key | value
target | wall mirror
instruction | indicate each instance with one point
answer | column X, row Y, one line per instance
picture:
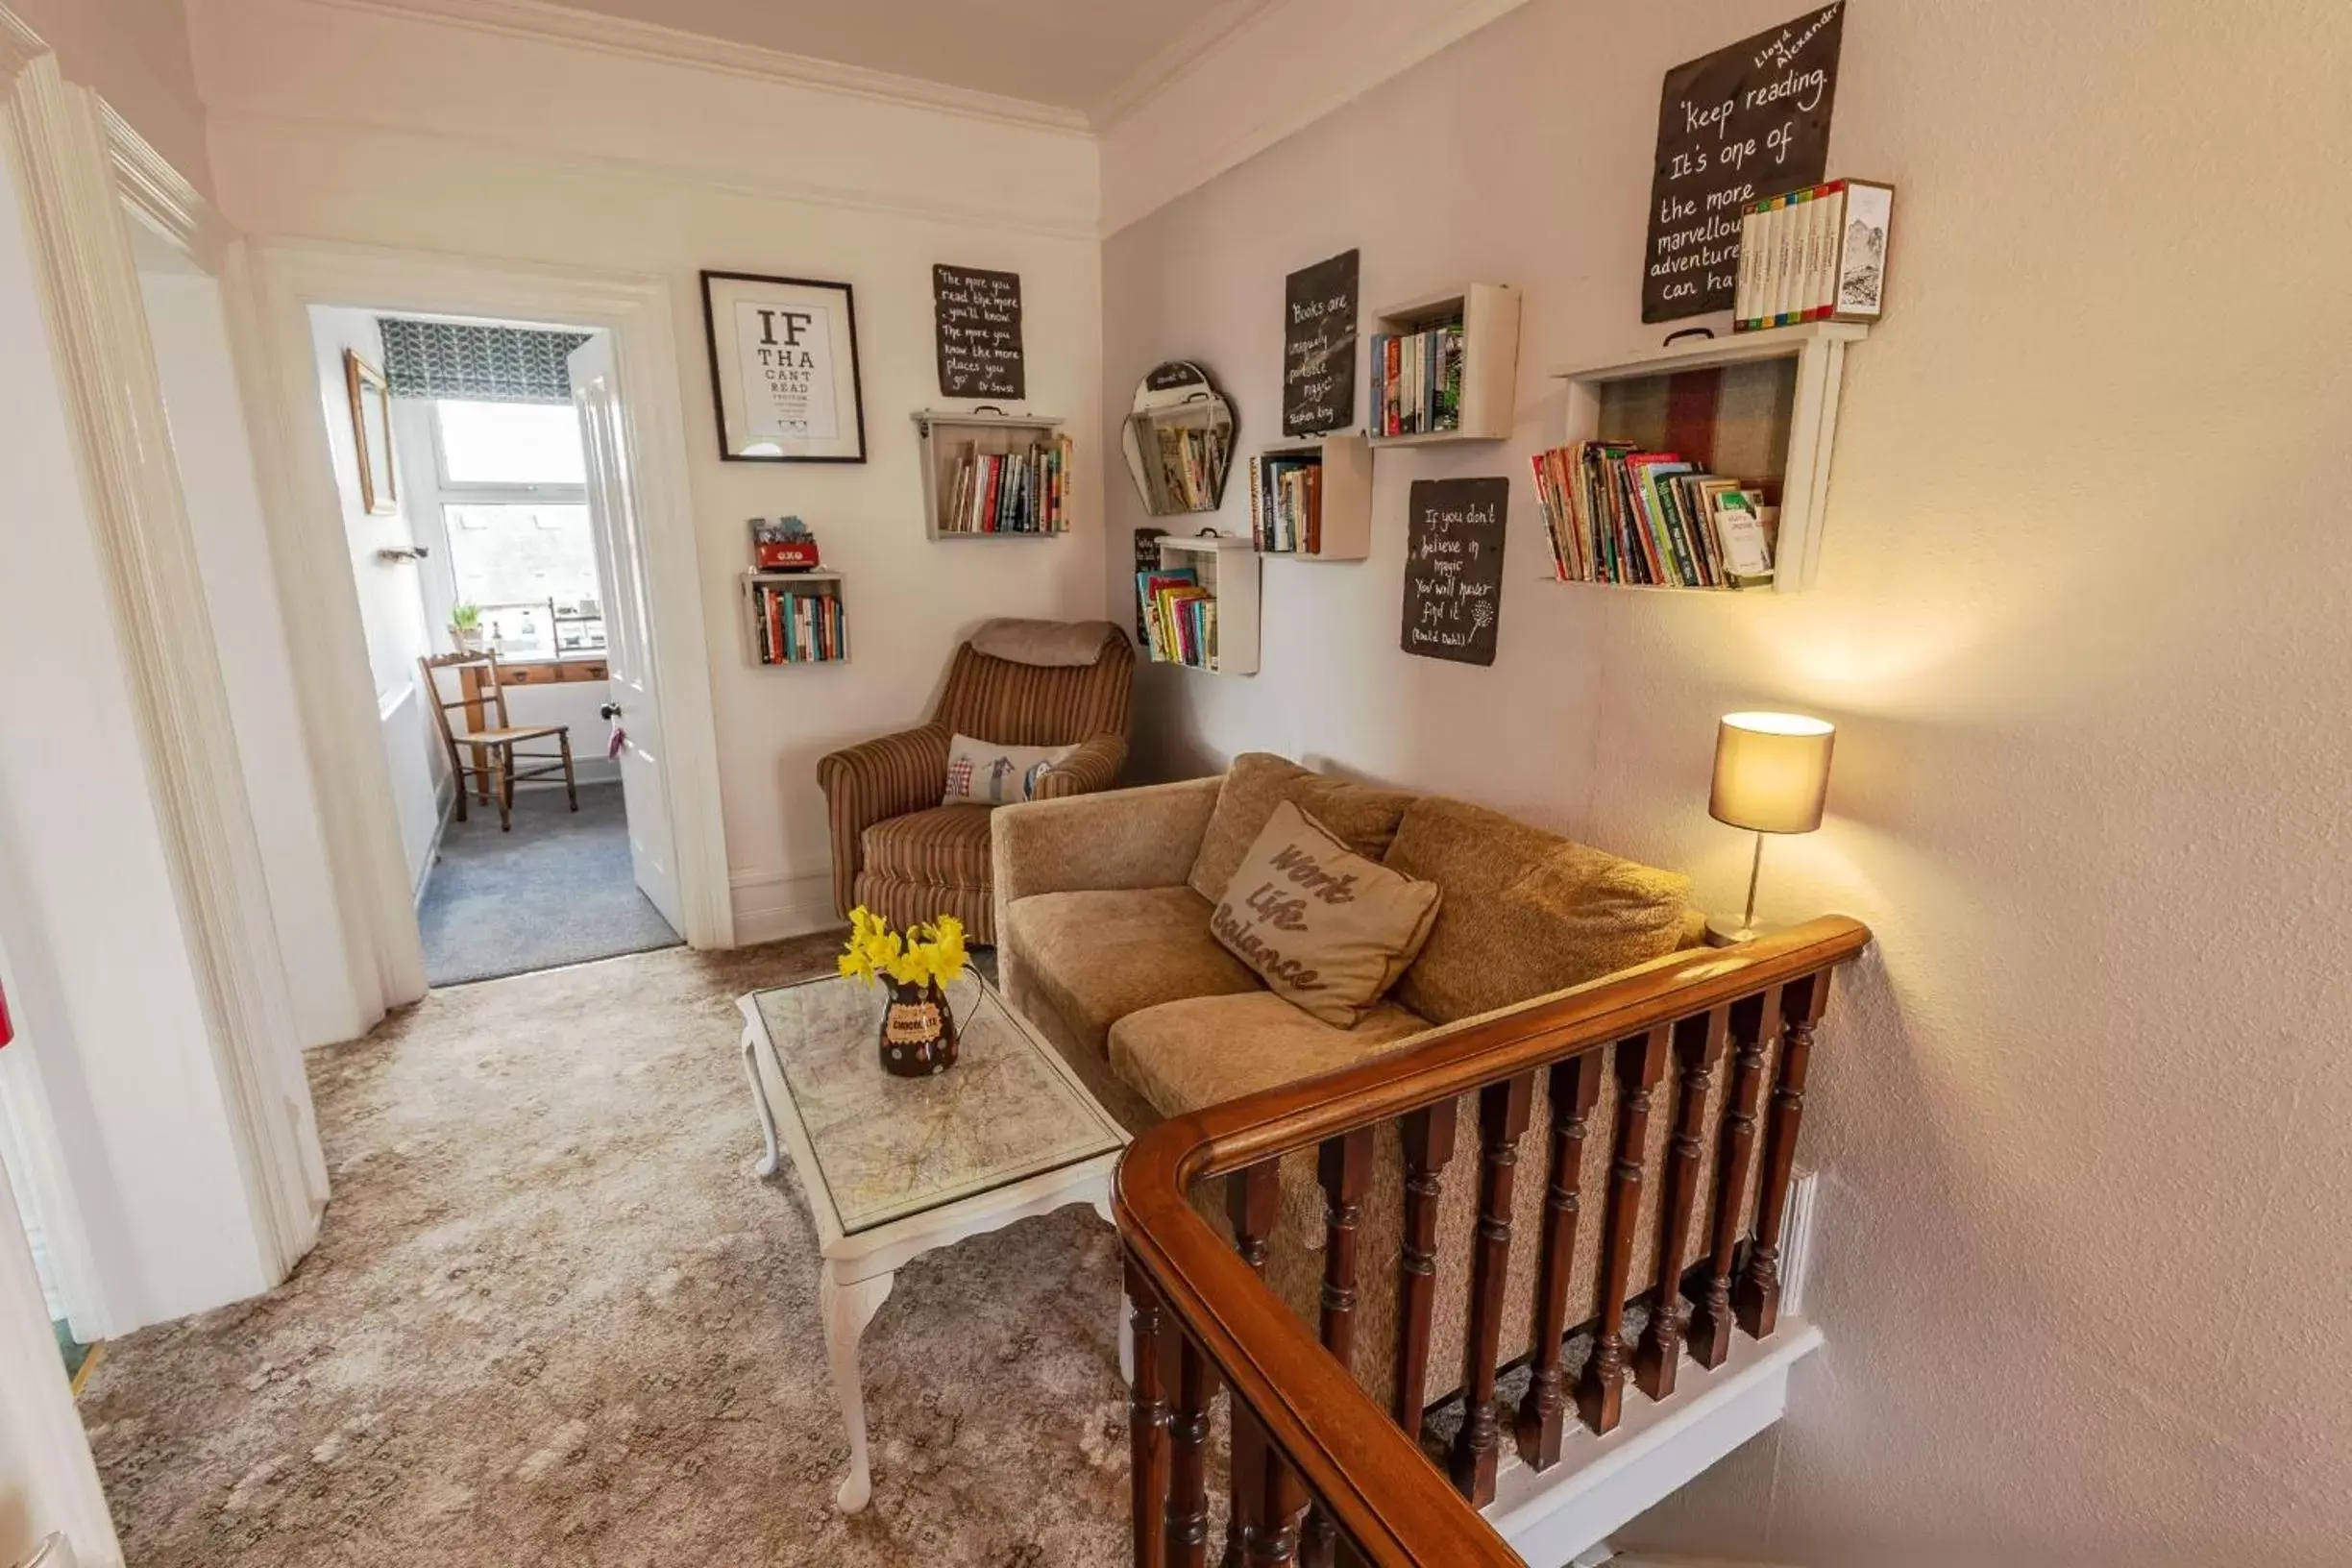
column 1179, row 440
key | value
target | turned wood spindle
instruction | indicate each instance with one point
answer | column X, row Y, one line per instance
column 1698, row 1045
column 1188, row 1510
column 1574, row 1085
column 1751, row 1032
column 1429, row 1146
column 1641, row 1062
column 1503, row 1116
column 1147, row 1423
column 1344, row 1164
column 1757, row 1299
column 1267, row 1498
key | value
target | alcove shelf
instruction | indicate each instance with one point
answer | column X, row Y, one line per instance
column 777, row 634
column 950, row 437
column 1227, row 565
column 1340, row 526
column 1489, row 314
column 1760, row 408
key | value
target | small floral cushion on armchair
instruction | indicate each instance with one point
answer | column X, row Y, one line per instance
column 982, row 772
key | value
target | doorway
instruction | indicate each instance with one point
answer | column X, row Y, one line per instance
column 494, row 556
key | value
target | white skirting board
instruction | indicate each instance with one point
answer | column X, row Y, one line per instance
column 770, row 906
column 1553, row 1518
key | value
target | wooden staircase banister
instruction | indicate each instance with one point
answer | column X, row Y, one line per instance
column 1391, row 1507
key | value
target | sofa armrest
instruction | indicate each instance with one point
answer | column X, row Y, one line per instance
column 1142, row 837
column 872, row 782
column 1091, row 767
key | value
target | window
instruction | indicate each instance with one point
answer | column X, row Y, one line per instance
column 514, row 509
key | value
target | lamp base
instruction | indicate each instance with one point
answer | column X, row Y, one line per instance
column 1727, row 931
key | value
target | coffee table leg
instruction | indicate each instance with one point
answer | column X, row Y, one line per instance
column 759, row 1101
column 847, row 1309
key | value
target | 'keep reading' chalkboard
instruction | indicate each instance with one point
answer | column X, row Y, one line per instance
column 1320, row 347
column 1453, row 568
column 979, row 333
column 1747, row 121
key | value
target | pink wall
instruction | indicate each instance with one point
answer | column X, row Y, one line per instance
column 2082, row 617
column 135, row 54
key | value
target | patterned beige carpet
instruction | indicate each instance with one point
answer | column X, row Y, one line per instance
column 554, row 1319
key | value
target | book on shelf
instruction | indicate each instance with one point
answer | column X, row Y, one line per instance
column 1416, row 381
column 1184, row 464
column 1010, row 492
column 1818, row 253
column 796, row 628
column 1287, row 502
column 1617, row 514
column 1179, row 616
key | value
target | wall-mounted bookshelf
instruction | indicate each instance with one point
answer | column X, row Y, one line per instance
column 1312, row 499
column 1759, row 408
column 990, row 475
column 1224, row 640
column 793, row 618
column 1409, row 358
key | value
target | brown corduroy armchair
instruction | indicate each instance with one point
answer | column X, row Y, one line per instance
column 901, row 853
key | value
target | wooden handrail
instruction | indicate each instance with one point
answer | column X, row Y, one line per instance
column 1394, row 1506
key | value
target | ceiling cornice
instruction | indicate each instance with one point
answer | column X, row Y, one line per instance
column 1214, row 27
column 538, row 20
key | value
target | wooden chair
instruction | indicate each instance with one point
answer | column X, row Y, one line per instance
column 494, row 748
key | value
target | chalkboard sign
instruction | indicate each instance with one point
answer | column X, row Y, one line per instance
column 979, row 333
column 1320, row 347
column 1746, row 121
column 1453, row 568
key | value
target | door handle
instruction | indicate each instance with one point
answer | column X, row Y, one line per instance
column 610, row 710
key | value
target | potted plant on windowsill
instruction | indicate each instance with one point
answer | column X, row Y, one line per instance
column 465, row 627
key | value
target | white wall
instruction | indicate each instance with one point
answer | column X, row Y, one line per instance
column 480, row 143
column 216, row 474
column 2082, row 617
column 391, row 605
column 93, row 951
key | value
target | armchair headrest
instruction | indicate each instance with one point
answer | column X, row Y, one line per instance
column 1049, row 642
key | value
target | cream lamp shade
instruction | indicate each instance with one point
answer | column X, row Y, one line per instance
column 1772, row 771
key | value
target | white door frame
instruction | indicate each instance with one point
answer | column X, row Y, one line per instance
column 285, row 279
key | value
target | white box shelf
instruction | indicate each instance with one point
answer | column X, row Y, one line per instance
column 1228, row 566
column 1489, row 317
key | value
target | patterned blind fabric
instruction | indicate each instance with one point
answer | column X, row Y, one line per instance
column 479, row 364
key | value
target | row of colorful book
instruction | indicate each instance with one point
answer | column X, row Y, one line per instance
column 1012, row 492
column 798, row 627
column 1416, row 381
column 1813, row 255
column 1189, row 473
column 1619, row 515
column 1179, row 616
column 1287, row 502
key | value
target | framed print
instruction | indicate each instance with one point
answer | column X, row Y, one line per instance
column 784, row 369
column 371, row 411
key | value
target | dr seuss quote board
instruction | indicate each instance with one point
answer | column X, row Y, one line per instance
column 1749, row 120
column 1454, row 569
column 980, row 352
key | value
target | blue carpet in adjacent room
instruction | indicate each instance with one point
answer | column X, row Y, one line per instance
column 557, row 889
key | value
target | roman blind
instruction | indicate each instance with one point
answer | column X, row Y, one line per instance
column 476, row 364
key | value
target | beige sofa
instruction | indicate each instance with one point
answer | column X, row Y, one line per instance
column 1102, row 910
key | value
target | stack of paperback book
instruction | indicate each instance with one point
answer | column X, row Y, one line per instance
column 797, row 627
column 1617, row 514
column 1190, row 473
column 1416, row 381
column 1010, row 492
column 1813, row 255
column 1179, row 616
column 1287, row 502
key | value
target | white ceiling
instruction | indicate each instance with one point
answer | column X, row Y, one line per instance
column 1091, row 56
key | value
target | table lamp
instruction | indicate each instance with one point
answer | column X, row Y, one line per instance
column 1771, row 776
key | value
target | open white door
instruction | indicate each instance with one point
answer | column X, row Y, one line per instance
column 627, row 637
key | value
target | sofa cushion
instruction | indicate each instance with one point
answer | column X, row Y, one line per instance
column 1361, row 816
column 946, row 846
column 1329, row 930
column 1525, row 911
column 1098, row 956
column 1202, row 1051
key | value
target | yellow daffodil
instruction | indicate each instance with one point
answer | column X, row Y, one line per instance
column 927, row 955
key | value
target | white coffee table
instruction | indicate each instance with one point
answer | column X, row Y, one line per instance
column 896, row 1166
